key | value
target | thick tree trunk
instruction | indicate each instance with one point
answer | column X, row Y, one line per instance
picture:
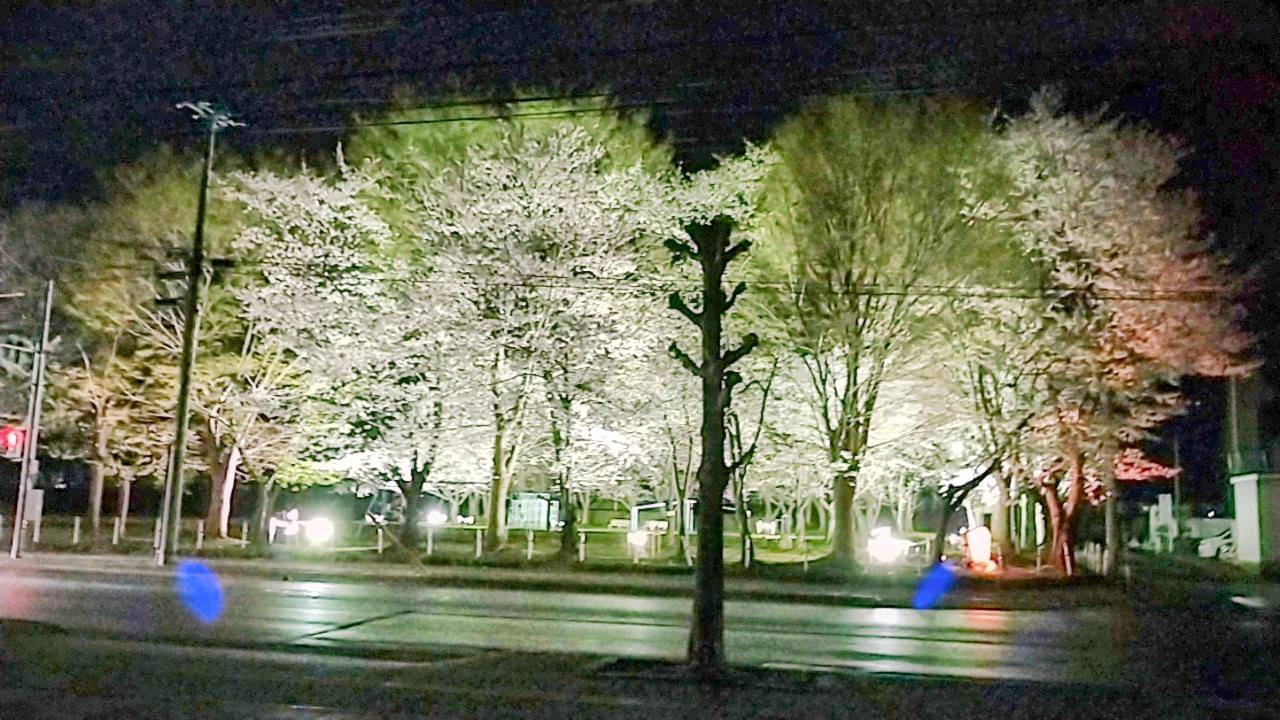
column 1063, row 516
column 409, row 531
column 495, row 535
column 97, row 485
column 706, row 652
column 844, row 535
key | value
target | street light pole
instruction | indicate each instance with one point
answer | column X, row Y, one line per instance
column 32, row 441
column 214, row 120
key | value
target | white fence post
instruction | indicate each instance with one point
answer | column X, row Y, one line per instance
column 380, row 541
column 244, row 533
column 528, row 553
column 582, row 547
column 199, row 534
column 431, row 531
column 75, row 530
column 35, row 533
column 115, row 531
column 479, row 543
column 155, row 538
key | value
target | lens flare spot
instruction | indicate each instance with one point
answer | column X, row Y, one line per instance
column 199, row 590
column 933, row 586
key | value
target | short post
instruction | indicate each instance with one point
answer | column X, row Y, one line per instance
column 199, row 535
column 155, row 538
column 582, row 546
column 380, row 541
column 75, row 530
column 431, row 531
column 479, row 543
column 244, row 533
column 528, row 550
column 35, row 532
column 115, row 531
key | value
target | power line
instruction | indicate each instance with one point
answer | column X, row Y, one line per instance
column 767, row 37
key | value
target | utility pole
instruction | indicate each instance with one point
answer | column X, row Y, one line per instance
column 32, row 440
column 214, row 121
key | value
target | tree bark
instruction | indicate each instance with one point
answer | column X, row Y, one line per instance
column 1111, row 554
column 561, row 429
column 1063, row 516
column 126, row 489
column 706, row 654
column 496, row 530
column 97, row 485
column 1000, row 518
column 844, row 531
column 222, row 483
column 505, row 445
column 266, row 499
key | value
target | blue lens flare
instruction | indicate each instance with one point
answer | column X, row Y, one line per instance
column 199, row 590
column 933, row 586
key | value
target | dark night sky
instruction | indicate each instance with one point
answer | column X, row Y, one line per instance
column 89, row 84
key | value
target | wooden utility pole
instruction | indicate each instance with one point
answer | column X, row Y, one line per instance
column 170, row 531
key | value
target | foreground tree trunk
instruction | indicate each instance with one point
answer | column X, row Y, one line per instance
column 706, row 656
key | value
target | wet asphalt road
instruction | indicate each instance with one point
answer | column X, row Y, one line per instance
column 1086, row 645
column 304, row 645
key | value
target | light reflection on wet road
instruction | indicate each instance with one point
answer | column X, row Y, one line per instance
column 1080, row 645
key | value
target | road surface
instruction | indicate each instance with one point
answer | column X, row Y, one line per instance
column 376, row 639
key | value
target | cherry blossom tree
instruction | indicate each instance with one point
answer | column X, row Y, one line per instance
column 367, row 338
column 1134, row 299
column 532, row 228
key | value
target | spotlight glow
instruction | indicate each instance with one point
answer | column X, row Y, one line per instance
column 319, row 531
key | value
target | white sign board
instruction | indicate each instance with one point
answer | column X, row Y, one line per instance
column 35, row 506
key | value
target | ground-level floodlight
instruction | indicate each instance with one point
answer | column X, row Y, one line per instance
column 319, row 530
column 884, row 548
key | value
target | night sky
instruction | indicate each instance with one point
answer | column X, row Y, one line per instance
column 90, row 84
